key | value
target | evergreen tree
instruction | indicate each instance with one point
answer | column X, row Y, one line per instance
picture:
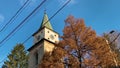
column 17, row 58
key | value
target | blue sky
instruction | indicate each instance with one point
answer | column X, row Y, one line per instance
column 101, row 15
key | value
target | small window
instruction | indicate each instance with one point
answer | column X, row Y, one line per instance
column 48, row 31
column 38, row 37
column 48, row 38
column 36, row 57
column 55, row 35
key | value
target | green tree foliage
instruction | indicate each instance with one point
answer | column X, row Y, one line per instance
column 79, row 47
column 17, row 58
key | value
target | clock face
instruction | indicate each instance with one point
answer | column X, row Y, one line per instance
column 52, row 36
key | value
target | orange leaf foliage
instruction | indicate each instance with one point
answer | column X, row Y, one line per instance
column 89, row 49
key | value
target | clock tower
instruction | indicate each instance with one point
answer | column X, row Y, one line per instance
column 45, row 39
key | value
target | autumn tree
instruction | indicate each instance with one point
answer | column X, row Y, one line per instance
column 79, row 47
column 53, row 59
column 17, row 58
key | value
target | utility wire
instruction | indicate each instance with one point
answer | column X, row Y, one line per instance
column 50, row 18
column 16, row 14
column 45, row 23
column 22, row 22
column 115, row 38
column 20, row 25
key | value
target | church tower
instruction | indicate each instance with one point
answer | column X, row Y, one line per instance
column 44, row 41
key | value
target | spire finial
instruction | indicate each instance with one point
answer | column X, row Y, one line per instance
column 45, row 11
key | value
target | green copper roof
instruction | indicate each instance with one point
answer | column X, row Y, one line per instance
column 46, row 22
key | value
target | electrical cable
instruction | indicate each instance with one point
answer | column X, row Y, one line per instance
column 50, row 18
column 22, row 22
column 44, row 23
column 15, row 15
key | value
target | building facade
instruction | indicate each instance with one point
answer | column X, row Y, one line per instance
column 44, row 41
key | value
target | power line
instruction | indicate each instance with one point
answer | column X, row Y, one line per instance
column 16, row 14
column 50, row 18
column 57, row 11
column 23, row 21
column 20, row 25
column 45, row 23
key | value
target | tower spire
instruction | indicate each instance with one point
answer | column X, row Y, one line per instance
column 45, row 21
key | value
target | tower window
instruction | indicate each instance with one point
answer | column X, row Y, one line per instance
column 36, row 58
column 38, row 37
column 48, row 31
